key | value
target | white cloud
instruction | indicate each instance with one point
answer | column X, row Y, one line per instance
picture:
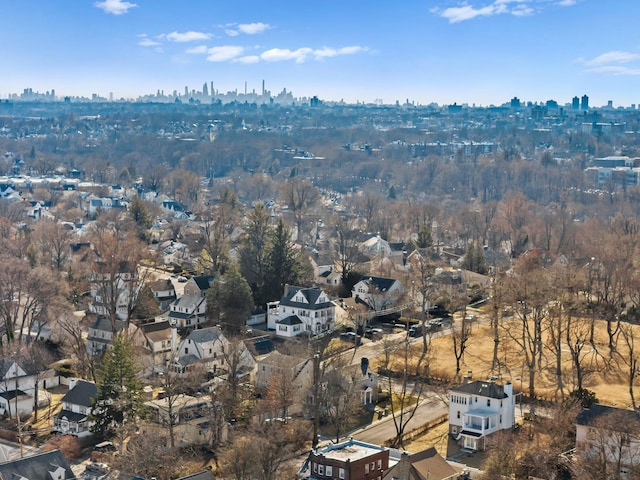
column 616, row 70
column 474, row 9
column 200, row 49
column 190, row 36
column 615, row 56
column 224, row 53
column 253, row 28
column 248, row 59
column 115, row 7
column 232, row 33
column 282, row 54
column 147, row 42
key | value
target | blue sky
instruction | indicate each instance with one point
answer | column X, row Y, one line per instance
column 474, row 51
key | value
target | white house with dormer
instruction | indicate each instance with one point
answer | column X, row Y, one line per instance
column 301, row 310
column 73, row 419
column 378, row 293
column 478, row 409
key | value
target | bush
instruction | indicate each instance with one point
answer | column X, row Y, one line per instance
column 67, row 444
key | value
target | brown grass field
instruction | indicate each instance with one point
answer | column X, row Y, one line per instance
column 606, row 378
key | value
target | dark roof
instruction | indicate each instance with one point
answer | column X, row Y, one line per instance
column 380, row 283
column 154, row 326
column 81, row 394
column 470, row 433
column 163, row 284
column 203, row 282
column 311, row 294
column 260, row 345
column 290, row 320
column 36, row 467
column 588, row 415
column 71, row 416
column 209, row 334
column 204, row 475
column 482, row 388
column 11, row 394
column 102, row 323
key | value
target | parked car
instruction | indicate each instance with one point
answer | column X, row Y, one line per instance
column 98, row 467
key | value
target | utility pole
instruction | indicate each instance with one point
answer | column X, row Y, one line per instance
column 316, row 399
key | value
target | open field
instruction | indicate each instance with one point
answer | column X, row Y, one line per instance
column 606, row 377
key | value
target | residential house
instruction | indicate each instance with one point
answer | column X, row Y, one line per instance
column 42, row 466
column 73, row 419
column 164, row 292
column 204, row 348
column 301, row 311
column 478, row 409
column 20, row 381
column 612, row 436
column 189, row 311
column 113, row 283
column 298, row 371
column 378, row 293
column 349, row 460
column 100, row 336
column 157, row 338
column 327, row 275
column 427, row 464
column 375, row 246
column 196, row 420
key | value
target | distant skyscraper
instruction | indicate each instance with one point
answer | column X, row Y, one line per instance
column 205, row 90
column 575, row 103
column 263, row 87
column 584, row 105
column 610, row 104
column 515, row 102
column 213, row 92
column 186, row 91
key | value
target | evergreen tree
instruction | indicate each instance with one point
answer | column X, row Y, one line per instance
column 230, row 302
column 474, row 259
column 281, row 262
column 253, row 251
column 119, row 398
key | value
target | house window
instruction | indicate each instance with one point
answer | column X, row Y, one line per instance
column 315, row 467
column 373, row 466
column 328, row 471
column 488, row 402
column 341, row 473
column 186, row 350
column 366, row 468
column 458, row 414
column 320, row 469
column 454, row 430
column 379, row 464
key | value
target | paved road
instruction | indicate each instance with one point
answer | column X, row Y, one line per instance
column 380, row 431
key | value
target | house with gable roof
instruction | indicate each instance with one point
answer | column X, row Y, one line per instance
column 73, row 419
column 42, row 466
column 207, row 348
column 301, row 310
column 378, row 293
column 479, row 409
column 189, row 311
column 20, row 378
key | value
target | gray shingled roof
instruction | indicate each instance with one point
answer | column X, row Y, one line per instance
column 209, row 334
column 311, row 294
column 588, row 415
column 290, row 320
column 482, row 388
column 380, row 283
column 81, row 394
column 36, row 467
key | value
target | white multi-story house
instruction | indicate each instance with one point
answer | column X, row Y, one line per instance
column 189, row 311
column 301, row 311
column 20, row 382
column 478, row 409
column 73, row 419
column 610, row 437
column 378, row 293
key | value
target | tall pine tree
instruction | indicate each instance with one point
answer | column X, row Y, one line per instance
column 119, row 398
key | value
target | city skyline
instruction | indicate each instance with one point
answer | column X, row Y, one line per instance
column 474, row 52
